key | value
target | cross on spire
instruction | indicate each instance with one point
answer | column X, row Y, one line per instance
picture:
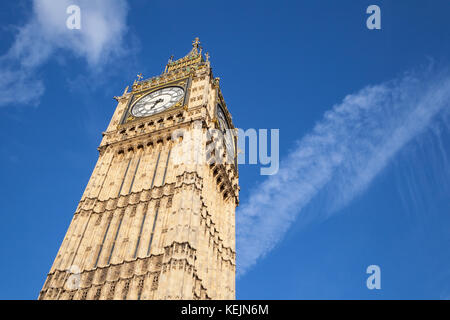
column 195, row 47
column 193, row 57
column 196, row 42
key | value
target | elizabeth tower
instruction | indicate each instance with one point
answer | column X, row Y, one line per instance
column 149, row 226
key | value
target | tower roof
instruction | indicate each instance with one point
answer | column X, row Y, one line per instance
column 192, row 58
column 175, row 68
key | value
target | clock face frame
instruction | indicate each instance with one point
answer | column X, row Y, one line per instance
column 157, row 101
column 225, row 128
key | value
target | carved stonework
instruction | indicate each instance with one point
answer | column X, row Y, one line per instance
column 147, row 226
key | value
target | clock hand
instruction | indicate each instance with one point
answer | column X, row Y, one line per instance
column 157, row 101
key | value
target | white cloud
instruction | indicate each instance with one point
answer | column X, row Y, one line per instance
column 19, row 88
column 101, row 39
column 344, row 152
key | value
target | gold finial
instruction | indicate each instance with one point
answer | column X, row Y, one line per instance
column 196, row 42
column 139, row 76
column 216, row 81
column 207, row 56
column 168, row 63
column 195, row 47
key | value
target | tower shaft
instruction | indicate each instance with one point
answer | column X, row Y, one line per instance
column 149, row 225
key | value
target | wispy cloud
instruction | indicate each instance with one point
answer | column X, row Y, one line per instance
column 353, row 142
column 45, row 35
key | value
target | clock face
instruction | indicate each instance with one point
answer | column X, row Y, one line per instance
column 157, row 101
column 225, row 128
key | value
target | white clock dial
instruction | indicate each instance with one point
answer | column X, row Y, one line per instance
column 157, row 101
column 225, row 128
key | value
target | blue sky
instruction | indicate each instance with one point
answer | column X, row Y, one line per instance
column 282, row 65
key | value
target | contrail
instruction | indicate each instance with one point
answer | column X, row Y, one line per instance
column 343, row 153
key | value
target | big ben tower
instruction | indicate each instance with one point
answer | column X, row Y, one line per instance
column 151, row 224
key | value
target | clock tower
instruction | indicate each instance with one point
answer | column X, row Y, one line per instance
column 153, row 224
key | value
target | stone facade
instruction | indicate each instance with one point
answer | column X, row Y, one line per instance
column 148, row 227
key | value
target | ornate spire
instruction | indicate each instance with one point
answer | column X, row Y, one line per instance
column 196, row 42
column 193, row 58
column 195, row 47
